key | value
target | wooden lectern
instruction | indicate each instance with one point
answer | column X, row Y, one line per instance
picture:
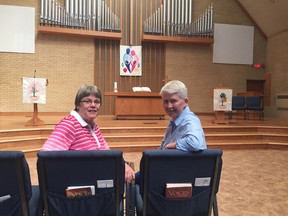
column 35, row 120
column 222, row 102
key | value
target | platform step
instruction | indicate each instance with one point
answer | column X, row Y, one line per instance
column 149, row 137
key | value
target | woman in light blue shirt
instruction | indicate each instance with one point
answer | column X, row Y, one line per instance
column 184, row 131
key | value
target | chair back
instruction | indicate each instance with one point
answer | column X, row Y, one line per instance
column 103, row 169
column 254, row 102
column 15, row 184
column 238, row 103
column 159, row 167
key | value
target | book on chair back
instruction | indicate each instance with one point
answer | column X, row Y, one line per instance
column 79, row 191
column 178, row 190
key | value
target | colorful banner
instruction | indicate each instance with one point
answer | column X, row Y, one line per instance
column 130, row 61
column 34, row 90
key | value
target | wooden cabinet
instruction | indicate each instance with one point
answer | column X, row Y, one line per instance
column 137, row 105
column 250, row 93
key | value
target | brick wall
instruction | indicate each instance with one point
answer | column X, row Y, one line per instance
column 193, row 63
column 69, row 61
column 277, row 55
column 66, row 61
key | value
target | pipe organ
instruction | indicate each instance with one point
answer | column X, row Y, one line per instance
column 96, row 15
column 174, row 18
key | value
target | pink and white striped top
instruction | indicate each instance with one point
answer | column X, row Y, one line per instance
column 73, row 133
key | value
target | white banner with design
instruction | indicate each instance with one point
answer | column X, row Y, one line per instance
column 34, row 90
column 222, row 99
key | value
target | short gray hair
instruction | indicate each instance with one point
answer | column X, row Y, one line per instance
column 175, row 87
column 85, row 91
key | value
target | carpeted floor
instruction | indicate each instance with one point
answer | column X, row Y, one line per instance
column 253, row 182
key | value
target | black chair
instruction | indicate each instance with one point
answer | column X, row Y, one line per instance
column 238, row 104
column 255, row 103
column 17, row 196
column 159, row 167
column 103, row 169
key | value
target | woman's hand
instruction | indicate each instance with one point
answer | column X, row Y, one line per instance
column 170, row 146
column 129, row 174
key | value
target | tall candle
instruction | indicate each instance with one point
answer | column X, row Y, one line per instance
column 115, row 87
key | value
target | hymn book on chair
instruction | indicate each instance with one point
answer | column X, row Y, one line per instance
column 178, row 190
column 80, row 191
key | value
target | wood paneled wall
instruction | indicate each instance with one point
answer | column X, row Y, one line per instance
column 107, row 54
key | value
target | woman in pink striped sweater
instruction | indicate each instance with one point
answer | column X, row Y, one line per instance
column 79, row 131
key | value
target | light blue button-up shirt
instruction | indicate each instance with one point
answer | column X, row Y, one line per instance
column 187, row 132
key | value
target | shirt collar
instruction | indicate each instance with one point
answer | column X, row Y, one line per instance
column 79, row 118
column 180, row 118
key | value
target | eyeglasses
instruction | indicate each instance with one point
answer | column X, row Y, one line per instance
column 89, row 102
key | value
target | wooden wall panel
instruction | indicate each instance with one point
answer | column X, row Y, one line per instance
column 107, row 54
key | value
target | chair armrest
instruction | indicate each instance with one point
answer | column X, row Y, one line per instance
column 130, row 194
column 130, row 199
